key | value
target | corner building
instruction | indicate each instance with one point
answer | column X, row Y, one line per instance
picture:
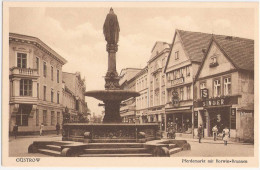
column 35, row 84
column 224, row 88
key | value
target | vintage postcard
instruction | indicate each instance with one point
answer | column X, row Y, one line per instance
column 134, row 84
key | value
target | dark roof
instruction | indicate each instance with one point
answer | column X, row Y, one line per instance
column 239, row 50
column 194, row 42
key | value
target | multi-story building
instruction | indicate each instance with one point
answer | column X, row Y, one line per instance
column 156, row 82
column 182, row 65
column 73, row 95
column 224, row 89
column 128, row 82
column 35, row 84
column 142, row 100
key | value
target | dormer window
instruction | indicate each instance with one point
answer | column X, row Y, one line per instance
column 176, row 55
column 213, row 62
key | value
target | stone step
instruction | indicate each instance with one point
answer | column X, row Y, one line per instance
column 49, row 152
column 117, row 155
column 114, row 145
column 115, row 150
column 112, row 140
column 53, row 147
column 171, row 146
column 174, row 150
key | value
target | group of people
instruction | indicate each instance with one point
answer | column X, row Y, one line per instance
column 15, row 129
column 215, row 131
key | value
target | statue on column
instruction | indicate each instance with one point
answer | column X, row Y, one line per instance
column 111, row 28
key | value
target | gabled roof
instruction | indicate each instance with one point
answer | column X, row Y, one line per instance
column 239, row 50
column 194, row 43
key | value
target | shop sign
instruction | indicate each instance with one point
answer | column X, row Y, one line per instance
column 178, row 81
column 204, row 93
column 213, row 102
column 233, row 118
column 195, row 119
column 247, row 114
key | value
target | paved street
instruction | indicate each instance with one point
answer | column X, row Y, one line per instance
column 208, row 148
column 19, row 147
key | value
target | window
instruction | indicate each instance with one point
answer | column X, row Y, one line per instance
column 52, row 73
column 217, row 91
column 21, row 60
column 51, row 95
column 44, row 117
column 44, row 69
column 22, row 115
column 227, row 86
column 163, row 97
column 37, row 117
column 176, row 55
column 37, row 90
column 25, row 87
column 188, row 92
column 44, row 93
column 58, row 117
column 37, row 64
column 58, row 97
column 52, row 117
column 58, row 76
column 213, row 62
column 188, row 71
column 202, row 85
column 181, row 94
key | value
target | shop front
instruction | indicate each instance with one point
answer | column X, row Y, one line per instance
column 181, row 118
column 223, row 112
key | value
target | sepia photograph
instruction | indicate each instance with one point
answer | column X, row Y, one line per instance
column 160, row 83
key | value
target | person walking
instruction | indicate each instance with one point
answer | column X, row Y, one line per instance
column 226, row 135
column 200, row 132
column 41, row 129
column 58, row 128
column 15, row 130
column 215, row 132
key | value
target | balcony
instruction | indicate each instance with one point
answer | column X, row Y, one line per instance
column 23, row 100
column 23, row 72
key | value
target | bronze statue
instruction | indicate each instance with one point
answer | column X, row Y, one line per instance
column 111, row 28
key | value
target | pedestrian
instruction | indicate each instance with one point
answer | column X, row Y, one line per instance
column 215, row 132
column 15, row 130
column 41, row 129
column 226, row 135
column 58, row 128
column 200, row 132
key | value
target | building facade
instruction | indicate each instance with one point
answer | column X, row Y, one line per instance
column 142, row 101
column 35, row 84
column 224, row 89
column 73, row 95
column 128, row 82
column 182, row 65
column 156, row 83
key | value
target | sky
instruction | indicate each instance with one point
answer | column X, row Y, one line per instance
column 77, row 34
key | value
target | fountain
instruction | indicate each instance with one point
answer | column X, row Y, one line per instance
column 112, row 128
column 112, row 95
column 112, row 137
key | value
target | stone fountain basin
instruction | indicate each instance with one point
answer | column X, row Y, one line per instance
column 112, row 95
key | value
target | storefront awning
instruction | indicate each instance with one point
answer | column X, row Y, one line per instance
column 178, row 110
